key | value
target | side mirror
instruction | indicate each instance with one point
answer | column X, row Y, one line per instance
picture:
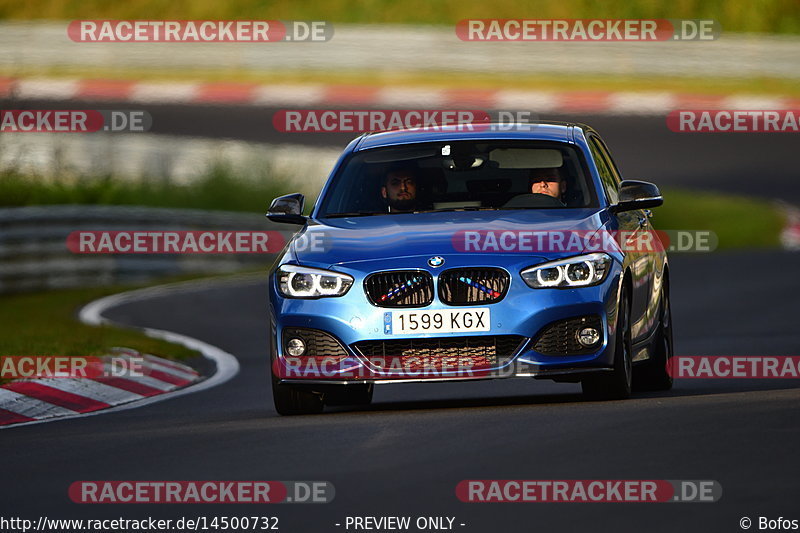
column 288, row 209
column 637, row 195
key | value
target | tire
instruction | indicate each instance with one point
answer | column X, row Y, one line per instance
column 350, row 395
column 617, row 384
column 654, row 375
column 293, row 401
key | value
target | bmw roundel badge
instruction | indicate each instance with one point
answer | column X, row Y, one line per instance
column 436, row 261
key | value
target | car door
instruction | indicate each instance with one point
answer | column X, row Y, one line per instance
column 632, row 223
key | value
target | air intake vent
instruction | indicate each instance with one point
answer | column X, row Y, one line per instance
column 561, row 337
column 475, row 353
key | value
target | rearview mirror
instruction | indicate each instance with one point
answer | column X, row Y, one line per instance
column 637, row 195
column 287, row 209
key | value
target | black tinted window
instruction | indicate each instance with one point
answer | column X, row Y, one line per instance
column 460, row 175
column 606, row 171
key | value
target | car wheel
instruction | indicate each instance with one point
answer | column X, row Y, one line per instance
column 654, row 374
column 617, row 384
column 293, row 401
column 360, row 394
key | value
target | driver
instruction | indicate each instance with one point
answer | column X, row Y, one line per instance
column 548, row 181
column 400, row 189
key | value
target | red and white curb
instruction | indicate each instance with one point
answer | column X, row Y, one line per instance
column 25, row 402
column 602, row 102
column 44, row 398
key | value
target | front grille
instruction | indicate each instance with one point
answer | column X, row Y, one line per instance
column 445, row 353
column 468, row 286
column 318, row 343
column 400, row 288
column 560, row 338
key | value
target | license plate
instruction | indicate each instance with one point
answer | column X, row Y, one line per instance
column 442, row 321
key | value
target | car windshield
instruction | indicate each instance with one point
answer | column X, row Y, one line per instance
column 461, row 175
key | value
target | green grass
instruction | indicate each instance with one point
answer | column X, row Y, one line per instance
column 46, row 323
column 771, row 16
column 739, row 222
column 218, row 190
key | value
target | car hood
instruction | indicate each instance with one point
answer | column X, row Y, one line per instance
column 337, row 241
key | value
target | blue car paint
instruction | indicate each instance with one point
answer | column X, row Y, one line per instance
column 359, row 246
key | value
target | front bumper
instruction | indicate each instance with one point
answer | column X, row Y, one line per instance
column 524, row 312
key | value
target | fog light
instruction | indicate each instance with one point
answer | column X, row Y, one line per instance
column 295, row 347
column 588, row 337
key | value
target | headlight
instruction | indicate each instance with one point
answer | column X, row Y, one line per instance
column 303, row 282
column 580, row 271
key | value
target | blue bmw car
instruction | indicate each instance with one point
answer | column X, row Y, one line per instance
column 469, row 253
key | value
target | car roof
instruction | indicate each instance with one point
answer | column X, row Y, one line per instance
column 542, row 131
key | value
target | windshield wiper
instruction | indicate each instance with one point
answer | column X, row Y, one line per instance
column 467, row 208
column 373, row 213
column 353, row 214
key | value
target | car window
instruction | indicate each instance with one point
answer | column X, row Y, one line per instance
column 460, row 175
column 610, row 160
column 607, row 172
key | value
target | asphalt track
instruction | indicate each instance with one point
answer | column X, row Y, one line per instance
column 405, row 454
